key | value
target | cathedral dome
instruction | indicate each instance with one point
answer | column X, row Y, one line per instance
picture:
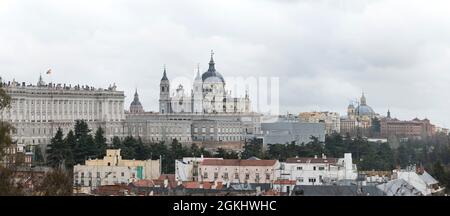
column 365, row 110
column 211, row 74
column 136, row 106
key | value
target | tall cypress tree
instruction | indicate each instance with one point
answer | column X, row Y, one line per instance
column 70, row 142
column 100, row 142
column 58, row 152
column 85, row 145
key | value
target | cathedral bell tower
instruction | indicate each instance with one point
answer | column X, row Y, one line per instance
column 197, row 93
column 164, row 94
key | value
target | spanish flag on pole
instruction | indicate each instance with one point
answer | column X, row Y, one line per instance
column 49, row 71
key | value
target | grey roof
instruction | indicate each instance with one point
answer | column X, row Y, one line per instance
column 399, row 187
column 428, row 179
column 364, row 110
column 136, row 100
column 164, row 75
column 337, row 190
column 211, row 74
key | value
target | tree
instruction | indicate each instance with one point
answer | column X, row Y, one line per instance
column 85, row 145
column 116, row 142
column 5, row 128
column 222, row 153
column 7, row 185
column 100, row 142
column 59, row 152
column 71, row 143
column 254, row 148
column 5, row 137
column 376, row 126
column 128, row 148
column 56, row 183
column 38, row 156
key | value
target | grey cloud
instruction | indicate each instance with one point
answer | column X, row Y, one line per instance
column 324, row 52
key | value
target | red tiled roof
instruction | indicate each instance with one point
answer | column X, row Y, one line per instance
column 206, row 185
column 284, row 182
column 311, row 160
column 169, row 177
column 191, row 185
column 236, row 162
column 144, row 183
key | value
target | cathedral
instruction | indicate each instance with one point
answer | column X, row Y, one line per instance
column 208, row 95
column 207, row 115
column 359, row 118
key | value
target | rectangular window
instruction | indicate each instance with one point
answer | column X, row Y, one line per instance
column 247, row 176
column 225, row 175
column 216, row 175
column 205, row 175
column 236, row 176
column 299, row 168
column 321, row 168
column 122, row 174
column 267, row 176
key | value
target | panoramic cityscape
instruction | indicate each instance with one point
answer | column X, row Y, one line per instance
column 233, row 98
column 207, row 142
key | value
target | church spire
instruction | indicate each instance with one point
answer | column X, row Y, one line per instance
column 164, row 74
column 211, row 62
column 388, row 114
column 197, row 77
column 363, row 99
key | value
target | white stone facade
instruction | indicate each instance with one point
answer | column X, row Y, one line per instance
column 37, row 111
column 318, row 170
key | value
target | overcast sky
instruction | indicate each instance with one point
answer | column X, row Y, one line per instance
column 325, row 53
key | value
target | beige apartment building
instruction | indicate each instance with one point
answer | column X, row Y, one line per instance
column 331, row 120
column 112, row 170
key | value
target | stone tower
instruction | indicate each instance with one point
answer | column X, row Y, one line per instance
column 164, row 94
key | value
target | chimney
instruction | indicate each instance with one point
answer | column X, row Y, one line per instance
column 166, row 182
column 324, row 156
column 315, row 156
